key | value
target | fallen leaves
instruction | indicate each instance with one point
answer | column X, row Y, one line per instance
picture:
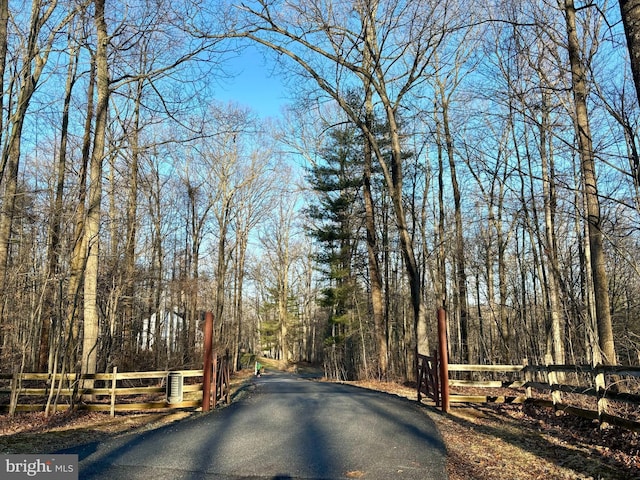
column 483, row 442
column 355, row 474
column 524, row 442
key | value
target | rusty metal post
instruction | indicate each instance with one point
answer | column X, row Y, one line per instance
column 444, row 358
column 206, row 369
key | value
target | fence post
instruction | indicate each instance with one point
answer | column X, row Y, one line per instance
column 601, row 393
column 206, row 369
column 227, row 377
column 435, row 370
column 216, row 378
column 556, row 394
column 15, row 391
column 444, row 358
column 418, row 373
column 552, row 381
column 113, row 391
column 528, row 378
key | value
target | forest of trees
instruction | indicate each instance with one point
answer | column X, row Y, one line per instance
column 481, row 157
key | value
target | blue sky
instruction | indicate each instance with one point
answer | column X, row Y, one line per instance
column 253, row 84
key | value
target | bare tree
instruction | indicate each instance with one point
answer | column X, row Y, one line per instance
column 78, row 254
column 281, row 251
column 50, row 317
column 630, row 11
column 587, row 161
column 373, row 249
column 253, row 202
column 446, row 81
column 329, row 44
column 91, row 326
column 34, row 56
column 4, row 21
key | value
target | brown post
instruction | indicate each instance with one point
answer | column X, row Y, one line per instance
column 114, row 383
column 444, row 358
column 418, row 374
column 227, row 377
column 206, row 369
column 216, row 379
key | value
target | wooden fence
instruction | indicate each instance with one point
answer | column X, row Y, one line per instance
column 610, row 394
column 488, row 371
column 111, row 392
column 605, row 391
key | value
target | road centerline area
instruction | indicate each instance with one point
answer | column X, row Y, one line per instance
column 285, row 428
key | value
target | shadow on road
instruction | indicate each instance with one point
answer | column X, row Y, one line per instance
column 282, row 427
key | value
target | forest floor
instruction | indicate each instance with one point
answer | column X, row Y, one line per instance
column 483, row 442
column 526, row 442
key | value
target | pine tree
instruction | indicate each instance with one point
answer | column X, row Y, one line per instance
column 337, row 219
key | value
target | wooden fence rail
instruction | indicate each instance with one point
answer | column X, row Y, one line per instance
column 115, row 392
column 612, row 388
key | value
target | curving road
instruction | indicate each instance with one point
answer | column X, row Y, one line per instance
column 286, row 427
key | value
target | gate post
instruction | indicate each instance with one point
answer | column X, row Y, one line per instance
column 444, row 358
column 206, row 369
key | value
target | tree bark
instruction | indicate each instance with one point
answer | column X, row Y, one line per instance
column 461, row 273
column 551, row 244
column 33, row 64
column 375, row 274
column 630, row 11
column 127, row 316
column 49, row 319
column 92, row 227
column 34, row 59
column 587, row 161
column 78, row 258
column 4, row 21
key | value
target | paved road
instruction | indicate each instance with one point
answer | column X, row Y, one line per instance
column 285, row 427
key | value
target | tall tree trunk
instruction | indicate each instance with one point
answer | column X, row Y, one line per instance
column 156, row 284
column 241, row 254
column 222, row 263
column 53, row 254
column 128, row 327
column 375, row 274
column 501, row 241
column 283, row 295
column 34, row 59
column 78, row 259
column 92, row 227
column 630, row 11
column 439, row 227
column 394, row 184
column 587, row 161
column 551, row 244
column 11, row 150
column 461, row 273
column 4, row 21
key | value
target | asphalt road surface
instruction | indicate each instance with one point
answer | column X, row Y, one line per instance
column 283, row 427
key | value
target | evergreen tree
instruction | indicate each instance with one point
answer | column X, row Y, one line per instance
column 337, row 218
